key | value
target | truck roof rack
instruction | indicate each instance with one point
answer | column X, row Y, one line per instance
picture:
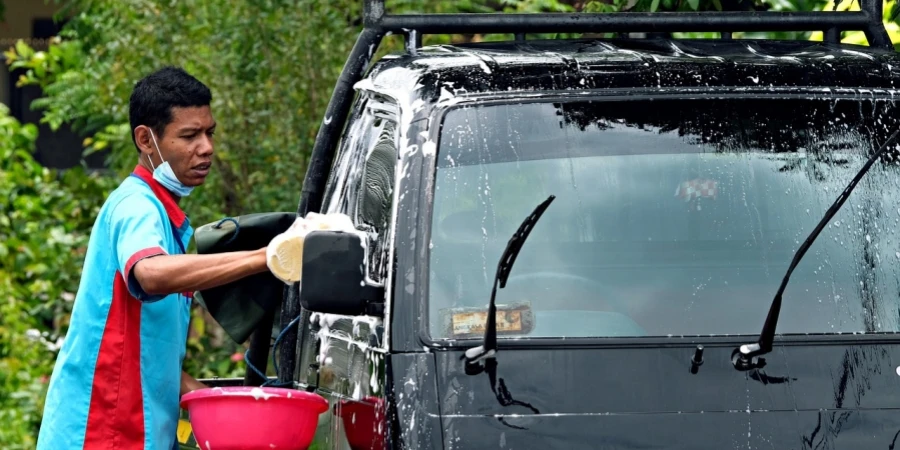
column 868, row 19
column 377, row 23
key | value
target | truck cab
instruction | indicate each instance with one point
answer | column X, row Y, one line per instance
column 664, row 187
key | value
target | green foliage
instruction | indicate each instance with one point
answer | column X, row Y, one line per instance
column 891, row 10
column 270, row 65
column 518, row 6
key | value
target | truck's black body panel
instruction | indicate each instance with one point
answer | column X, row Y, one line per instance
column 659, row 381
column 822, row 396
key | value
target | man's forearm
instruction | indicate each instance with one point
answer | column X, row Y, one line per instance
column 169, row 274
column 189, row 383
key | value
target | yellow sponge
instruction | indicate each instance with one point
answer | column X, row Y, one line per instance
column 284, row 254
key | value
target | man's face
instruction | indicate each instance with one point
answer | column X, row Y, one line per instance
column 186, row 143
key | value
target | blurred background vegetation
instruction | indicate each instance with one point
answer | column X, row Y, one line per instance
column 271, row 65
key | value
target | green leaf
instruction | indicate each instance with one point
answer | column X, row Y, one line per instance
column 23, row 49
column 717, row 4
column 11, row 56
column 694, row 4
column 654, row 5
column 30, row 131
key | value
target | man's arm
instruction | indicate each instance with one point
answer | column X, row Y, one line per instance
column 167, row 274
column 189, row 383
column 138, row 231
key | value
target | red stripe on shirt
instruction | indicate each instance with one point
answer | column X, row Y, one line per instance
column 139, row 255
column 116, row 413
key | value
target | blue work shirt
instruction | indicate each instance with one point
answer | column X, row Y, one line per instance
column 116, row 382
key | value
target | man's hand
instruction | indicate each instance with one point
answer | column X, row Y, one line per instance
column 189, row 383
column 168, row 274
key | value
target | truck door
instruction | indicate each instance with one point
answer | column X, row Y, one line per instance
column 343, row 356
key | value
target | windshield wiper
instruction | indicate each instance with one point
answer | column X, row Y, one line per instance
column 489, row 348
column 747, row 356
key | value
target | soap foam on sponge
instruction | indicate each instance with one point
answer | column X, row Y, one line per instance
column 284, row 254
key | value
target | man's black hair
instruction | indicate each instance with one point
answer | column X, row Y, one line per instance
column 156, row 94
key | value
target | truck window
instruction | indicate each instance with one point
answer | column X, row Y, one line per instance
column 362, row 182
column 361, row 185
column 375, row 194
column 672, row 217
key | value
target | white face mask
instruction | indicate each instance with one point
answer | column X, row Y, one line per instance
column 166, row 176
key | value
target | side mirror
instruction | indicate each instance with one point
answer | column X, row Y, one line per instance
column 333, row 279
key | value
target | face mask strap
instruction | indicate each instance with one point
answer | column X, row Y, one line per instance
column 157, row 150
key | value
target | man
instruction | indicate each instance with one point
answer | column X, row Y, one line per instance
column 118, row 379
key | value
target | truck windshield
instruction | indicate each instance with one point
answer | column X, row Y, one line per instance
column 672, row 216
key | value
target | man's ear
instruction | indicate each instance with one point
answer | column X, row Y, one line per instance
column 143, row 141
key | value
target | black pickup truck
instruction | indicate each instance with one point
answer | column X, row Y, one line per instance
column 706, row 237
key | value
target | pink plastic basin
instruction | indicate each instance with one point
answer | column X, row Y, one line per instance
column 245, row 417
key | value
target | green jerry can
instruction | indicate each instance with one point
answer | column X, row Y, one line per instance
column 239, row 306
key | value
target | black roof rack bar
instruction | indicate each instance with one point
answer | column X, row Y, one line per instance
column 868, row 20
column 876, row 34
column 832, row 35
column 617, row 22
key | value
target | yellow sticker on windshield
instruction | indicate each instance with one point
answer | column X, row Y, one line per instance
column 474, row 322
column 471, row 322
